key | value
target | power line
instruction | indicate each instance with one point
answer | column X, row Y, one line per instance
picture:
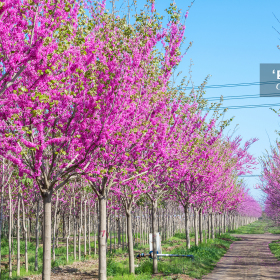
column 224, row 98
column 232, row 85
column 236, row 97
column 250, row 176
column 232, row 97
column 246, row 106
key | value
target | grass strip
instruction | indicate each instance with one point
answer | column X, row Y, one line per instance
column 206, row 255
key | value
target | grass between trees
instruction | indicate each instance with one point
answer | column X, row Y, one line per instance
column 274, row 247
column 206, row 255
column 258, row 227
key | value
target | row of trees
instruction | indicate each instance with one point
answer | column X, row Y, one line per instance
column 75, row 222
column 87, row 108
column 270, row 183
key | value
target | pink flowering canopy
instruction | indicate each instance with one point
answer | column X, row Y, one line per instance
column 86, row 104
column 270, row 183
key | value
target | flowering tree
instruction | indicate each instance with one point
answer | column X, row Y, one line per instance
column 270, row 183
column 139, row 99
column 6, row 173
column 85, row 96
column 71, row 93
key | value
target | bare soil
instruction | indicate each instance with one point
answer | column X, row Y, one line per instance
column 76, row 271
column 247, row 259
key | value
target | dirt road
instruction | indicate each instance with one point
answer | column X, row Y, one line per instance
column 248, row 259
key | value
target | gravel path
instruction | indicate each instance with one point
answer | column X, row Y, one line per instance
column 248, row 259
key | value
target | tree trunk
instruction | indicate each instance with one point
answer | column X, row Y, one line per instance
column 18, row 237
column 42, row 229
column 110, row 230
column 75, row 229
column 187, row 227
column 68, row 232
column 220, row 223
column 67, row 240
column 225, row 229
column 140, row 226
column 107, row 231
column 80, row 229
column 29, row 229
column 47, row 242
column 200, row 227
column 115, row 231
column 102, row 238
column 119, row 232
column 125, row 223
column 85, row 229
column 13, row 233
column 54, row 226
column 57, row 229
column 10, row 232
column 63, row 225
column 1, row 221
column 154, row 209
column 26, row 253
column 95, row 226
column 205, row 226
column 130, row 242
column 212, row 226
column 95, row 233
column 196, row 226
column 89, row 231
column 37, row 235
column 24, row 224
column 122, row 233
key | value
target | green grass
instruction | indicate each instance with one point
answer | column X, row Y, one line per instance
column 206, row 255
column 274, row 229
column 258, row 227
column 132, row 277
column 274, row 247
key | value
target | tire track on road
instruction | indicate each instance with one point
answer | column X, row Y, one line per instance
column 248, row 259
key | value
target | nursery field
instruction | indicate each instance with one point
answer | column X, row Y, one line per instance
column 256, row 235
column 108, row 151
column 206, row 256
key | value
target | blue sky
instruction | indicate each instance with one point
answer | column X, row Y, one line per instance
column 230, row 40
